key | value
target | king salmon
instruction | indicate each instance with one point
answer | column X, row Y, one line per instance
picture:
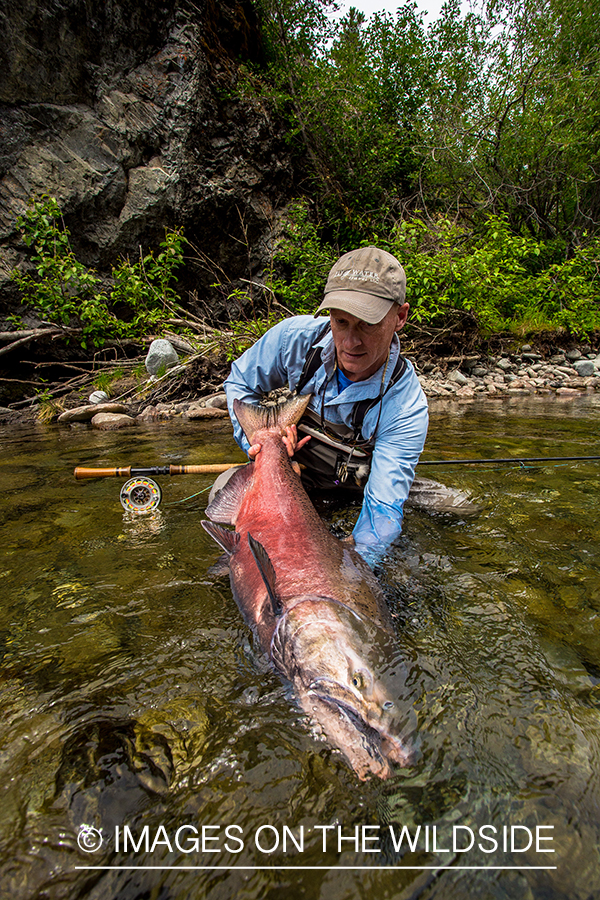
column 311, row 600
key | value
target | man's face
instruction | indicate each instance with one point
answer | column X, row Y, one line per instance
column 361, row 348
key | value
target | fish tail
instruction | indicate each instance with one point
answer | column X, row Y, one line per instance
column 271, row 418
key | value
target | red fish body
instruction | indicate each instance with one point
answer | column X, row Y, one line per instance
column 312, row 601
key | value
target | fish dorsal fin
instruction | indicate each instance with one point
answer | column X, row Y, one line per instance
column 226, row 504
column 265, row 567
column 256, row 418
column 226, row 539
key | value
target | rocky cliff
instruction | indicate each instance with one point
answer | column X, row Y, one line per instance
column 126, row 112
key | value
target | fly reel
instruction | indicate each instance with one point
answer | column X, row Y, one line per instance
column 140, row 495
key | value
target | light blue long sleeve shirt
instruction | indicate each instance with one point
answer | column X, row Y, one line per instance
column 277, row 360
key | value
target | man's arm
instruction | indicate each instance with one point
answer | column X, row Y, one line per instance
column 397, row 449
column 267, row 365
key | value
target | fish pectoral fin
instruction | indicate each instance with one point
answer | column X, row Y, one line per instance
column 265, row 567
column 226, row 539
column 226, row 504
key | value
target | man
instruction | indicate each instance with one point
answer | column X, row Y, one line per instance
column 366, row 423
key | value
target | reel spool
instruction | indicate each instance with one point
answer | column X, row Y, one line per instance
column 140, row 495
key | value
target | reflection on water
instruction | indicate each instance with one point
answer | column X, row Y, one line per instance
column 132, row 694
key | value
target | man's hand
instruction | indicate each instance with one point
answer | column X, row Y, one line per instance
column 290, row 439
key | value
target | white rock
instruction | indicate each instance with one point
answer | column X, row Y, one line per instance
column 98, row 397
column 161, row 355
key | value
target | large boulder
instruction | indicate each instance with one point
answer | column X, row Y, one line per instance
column 161, row 356
column 127, row 113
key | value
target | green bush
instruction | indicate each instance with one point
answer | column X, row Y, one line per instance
column 490, row 110
column 507, row 281
column 65, row 291
column 498, row 276
column 304, row 261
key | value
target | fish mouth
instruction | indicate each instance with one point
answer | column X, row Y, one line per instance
column 381, row 744
column 350, row 682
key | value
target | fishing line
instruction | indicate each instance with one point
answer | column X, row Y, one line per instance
column 524, row 468
column 510, row 459
column 191, row 497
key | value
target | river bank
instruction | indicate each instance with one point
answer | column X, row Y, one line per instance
column 192, row 389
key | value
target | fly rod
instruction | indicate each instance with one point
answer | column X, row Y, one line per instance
column 82, row 472
column 510, row 459
column 148, row 471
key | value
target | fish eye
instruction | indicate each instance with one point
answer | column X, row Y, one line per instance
column 358, row 680
column 389, row 704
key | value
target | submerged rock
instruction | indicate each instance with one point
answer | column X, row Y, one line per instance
column 112, row 421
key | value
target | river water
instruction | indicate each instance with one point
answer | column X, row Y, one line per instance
column 148, row 750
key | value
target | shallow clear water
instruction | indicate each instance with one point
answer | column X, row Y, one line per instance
column 132, row 695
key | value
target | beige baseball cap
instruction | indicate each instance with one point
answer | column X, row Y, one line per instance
column 365, row 283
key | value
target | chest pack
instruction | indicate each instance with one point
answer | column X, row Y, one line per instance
column 337, row 454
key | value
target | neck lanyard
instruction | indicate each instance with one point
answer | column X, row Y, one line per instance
column 355, row 443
